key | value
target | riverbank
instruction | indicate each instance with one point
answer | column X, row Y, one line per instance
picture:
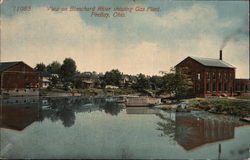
column 237, row 107
column 228, row 106
column 87, row 92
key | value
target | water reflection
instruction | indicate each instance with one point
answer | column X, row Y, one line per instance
column 189, row 130
column 141, row 110
column 192, row 130
column 18, row 113
column 18, row 117
column 126, row 133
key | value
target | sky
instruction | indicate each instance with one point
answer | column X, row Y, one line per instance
column 141, row 42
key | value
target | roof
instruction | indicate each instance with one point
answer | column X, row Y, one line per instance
column 6, row 65
column 87, row 75
column 212, row 62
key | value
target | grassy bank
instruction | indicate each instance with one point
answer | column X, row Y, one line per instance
column 236, row 107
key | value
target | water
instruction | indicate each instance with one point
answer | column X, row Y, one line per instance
column 95, row 128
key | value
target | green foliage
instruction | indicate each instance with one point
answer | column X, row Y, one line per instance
column 68, row 68
column 177, row 83
column 156, row 81
column 222, row 105
column 142, row 82
column 54, row 80
column 54, row 67
column 40, row 67
column 78, row 84
column 113, row 77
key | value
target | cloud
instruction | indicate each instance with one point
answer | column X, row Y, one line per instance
column 141, row 43
column 43, row 36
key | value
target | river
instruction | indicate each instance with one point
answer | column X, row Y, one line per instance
column 87, row 127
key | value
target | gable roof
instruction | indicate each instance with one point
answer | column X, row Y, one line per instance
column 6, row 65
column 212, row 62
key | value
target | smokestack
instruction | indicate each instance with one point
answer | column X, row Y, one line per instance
column 220, row 54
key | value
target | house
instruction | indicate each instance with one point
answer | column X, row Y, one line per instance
column 18, row 79
column 128, row 80
column 45, row 80
column 88, row 80
column 210, row 77
column 48, row 79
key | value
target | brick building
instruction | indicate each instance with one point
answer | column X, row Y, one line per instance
column 211, row 77
column 18, row 79
column 242, row 86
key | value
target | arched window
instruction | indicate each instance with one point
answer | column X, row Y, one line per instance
column 214, row 75
column 198, row 76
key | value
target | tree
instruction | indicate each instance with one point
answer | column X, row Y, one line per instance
column 68, row 68
column 113, row 77
column 142, row 82
column 177, row 82
column 54, row 67
column 156, row 82
column 40, row 67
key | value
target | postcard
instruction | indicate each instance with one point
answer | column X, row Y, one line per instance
column 124, row 79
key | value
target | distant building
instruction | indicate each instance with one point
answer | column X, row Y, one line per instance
column 242, row 86
column 45, row 80
column 88, row 80
column 18, row 79
column 212, row 77
column 128, row 81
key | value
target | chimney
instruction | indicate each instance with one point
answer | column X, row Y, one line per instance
column 220, row 54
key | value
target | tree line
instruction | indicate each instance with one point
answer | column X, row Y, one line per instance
column 176, row 82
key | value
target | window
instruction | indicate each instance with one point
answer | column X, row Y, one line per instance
column 219, row 75
column 198, row 87
column 214, row 75
column 220, row 87
column 225, row 87
column 17, row 90
column 238, row 88
column 208, row 75
column 208, row 87
column 248, row 88
column 214, row 86
column 198, row 76
column 242, row 87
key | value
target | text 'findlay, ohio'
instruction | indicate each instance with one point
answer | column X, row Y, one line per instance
column 120, row 12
